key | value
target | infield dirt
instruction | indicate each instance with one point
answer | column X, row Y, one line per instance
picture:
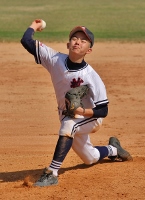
column 29, row 127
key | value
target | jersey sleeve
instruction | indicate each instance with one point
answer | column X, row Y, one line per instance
column 98, row 90
column 45, row 55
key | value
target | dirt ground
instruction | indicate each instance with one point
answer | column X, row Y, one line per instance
column 29, row 127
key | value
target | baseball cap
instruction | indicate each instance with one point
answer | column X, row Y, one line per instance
column 87, row 32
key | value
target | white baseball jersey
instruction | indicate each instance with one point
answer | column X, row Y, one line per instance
column 64, row 79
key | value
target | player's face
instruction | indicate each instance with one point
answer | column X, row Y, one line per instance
column 79, row 44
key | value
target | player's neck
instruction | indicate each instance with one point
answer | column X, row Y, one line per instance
column 75, row 66
column 76, row 59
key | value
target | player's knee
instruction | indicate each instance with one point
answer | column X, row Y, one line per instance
column 92, row 158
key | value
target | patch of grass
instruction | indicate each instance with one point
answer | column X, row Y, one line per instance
column 107, row 19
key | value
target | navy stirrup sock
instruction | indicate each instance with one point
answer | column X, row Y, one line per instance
column 103, row 151
column 62, row 148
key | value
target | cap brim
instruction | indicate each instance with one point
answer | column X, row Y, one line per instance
column 77, row 29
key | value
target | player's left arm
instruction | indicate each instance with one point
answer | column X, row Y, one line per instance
column 98, row 111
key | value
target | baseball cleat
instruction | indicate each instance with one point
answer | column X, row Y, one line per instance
column 46, row 179
column 122, row 154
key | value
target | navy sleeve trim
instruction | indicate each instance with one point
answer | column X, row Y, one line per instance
column 100, row 111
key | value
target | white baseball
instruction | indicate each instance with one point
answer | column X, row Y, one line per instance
column 43, row 24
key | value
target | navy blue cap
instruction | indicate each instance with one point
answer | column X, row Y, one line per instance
column 87, row 32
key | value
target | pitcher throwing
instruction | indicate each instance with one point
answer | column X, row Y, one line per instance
column 71, row 72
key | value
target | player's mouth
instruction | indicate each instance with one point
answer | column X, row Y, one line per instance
column 76, row 47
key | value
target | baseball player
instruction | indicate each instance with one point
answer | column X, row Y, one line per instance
column 68, row 72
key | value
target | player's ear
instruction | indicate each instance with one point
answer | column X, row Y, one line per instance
column 89, row 51
column 68, row 45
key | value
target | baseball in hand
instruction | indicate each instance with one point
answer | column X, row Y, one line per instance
column 43, row 24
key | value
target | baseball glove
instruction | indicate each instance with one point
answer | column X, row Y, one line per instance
column 73, row 100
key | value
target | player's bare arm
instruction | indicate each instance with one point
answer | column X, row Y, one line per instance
column 95, row 112
column 84, row 112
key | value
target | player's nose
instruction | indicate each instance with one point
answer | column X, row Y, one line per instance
column 78, row 41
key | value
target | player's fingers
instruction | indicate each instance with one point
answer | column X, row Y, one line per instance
column 38, row 20
column 39, row 29
column 37, row 25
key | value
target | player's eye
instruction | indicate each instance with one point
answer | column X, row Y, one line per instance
column 74, row 38
column 83, row 41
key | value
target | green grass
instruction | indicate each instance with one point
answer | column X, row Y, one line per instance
column 122, row 20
